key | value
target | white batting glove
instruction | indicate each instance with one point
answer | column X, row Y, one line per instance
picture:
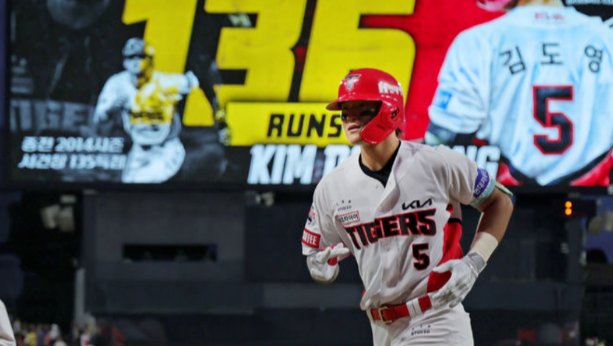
column 323, row 265
column 464, row 273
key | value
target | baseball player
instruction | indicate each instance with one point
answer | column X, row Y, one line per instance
column 7, row 337
column 537, row 83
column 145, row 101
column 395, row 207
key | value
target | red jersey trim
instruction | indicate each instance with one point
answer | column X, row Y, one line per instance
column 451, row 250
column 597, row 176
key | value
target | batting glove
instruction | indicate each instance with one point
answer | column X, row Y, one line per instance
column 323, row 265
column 464, row 273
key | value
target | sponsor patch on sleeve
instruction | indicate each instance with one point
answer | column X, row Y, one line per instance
column 484, row 186
column 310, row 239
column 441, row 99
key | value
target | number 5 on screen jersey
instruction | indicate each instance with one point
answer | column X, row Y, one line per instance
column 542, row 95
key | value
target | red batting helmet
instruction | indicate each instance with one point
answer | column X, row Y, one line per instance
column 493, row 5
column 369, row 84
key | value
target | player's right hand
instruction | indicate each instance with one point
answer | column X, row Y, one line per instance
column 323, row 265
column 464, row 273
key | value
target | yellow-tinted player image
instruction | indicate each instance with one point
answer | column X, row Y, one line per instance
column 145, row 101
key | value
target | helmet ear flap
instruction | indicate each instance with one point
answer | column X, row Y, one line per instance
column 383, row 124
column 390, row 114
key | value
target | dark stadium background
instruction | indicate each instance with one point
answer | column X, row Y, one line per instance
column 223, row 266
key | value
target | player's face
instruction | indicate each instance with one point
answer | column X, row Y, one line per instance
column 355, row 115
column 137, row 64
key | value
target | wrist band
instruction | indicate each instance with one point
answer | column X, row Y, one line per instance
column 475, row 262
column 484, row 244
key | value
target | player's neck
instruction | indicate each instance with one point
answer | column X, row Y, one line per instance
column 554, row 3
column 375, row 157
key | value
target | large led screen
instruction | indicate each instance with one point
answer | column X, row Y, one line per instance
column 226, row 92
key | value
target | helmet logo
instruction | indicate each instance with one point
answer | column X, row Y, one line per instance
column 350, row 81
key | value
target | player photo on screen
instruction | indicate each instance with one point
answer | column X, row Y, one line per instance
column 88, row 103
column 145, row 101
column 538, row 88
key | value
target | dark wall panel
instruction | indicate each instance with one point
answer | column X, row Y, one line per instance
column 156, row 283
column 273, row 245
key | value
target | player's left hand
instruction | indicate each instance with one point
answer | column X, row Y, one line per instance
column 464, row 273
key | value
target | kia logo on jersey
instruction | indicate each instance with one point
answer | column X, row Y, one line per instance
column 416, row 204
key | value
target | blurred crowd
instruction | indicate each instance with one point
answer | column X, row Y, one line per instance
column 595, row 341
column 42, row 334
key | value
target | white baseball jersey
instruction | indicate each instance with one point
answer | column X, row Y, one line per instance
column 400, row 232
column 536, row 82
column 7, row 337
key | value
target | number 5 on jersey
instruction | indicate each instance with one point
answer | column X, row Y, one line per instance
column 422, row 260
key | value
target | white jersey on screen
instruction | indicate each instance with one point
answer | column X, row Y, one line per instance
column 119, row 91
column 536, row 82
column 157, row 154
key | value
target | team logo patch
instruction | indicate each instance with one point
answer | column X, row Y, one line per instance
column 311, row 239
column 312, row 216
column 349, row 218
column 350, row 81
column 441, row 99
